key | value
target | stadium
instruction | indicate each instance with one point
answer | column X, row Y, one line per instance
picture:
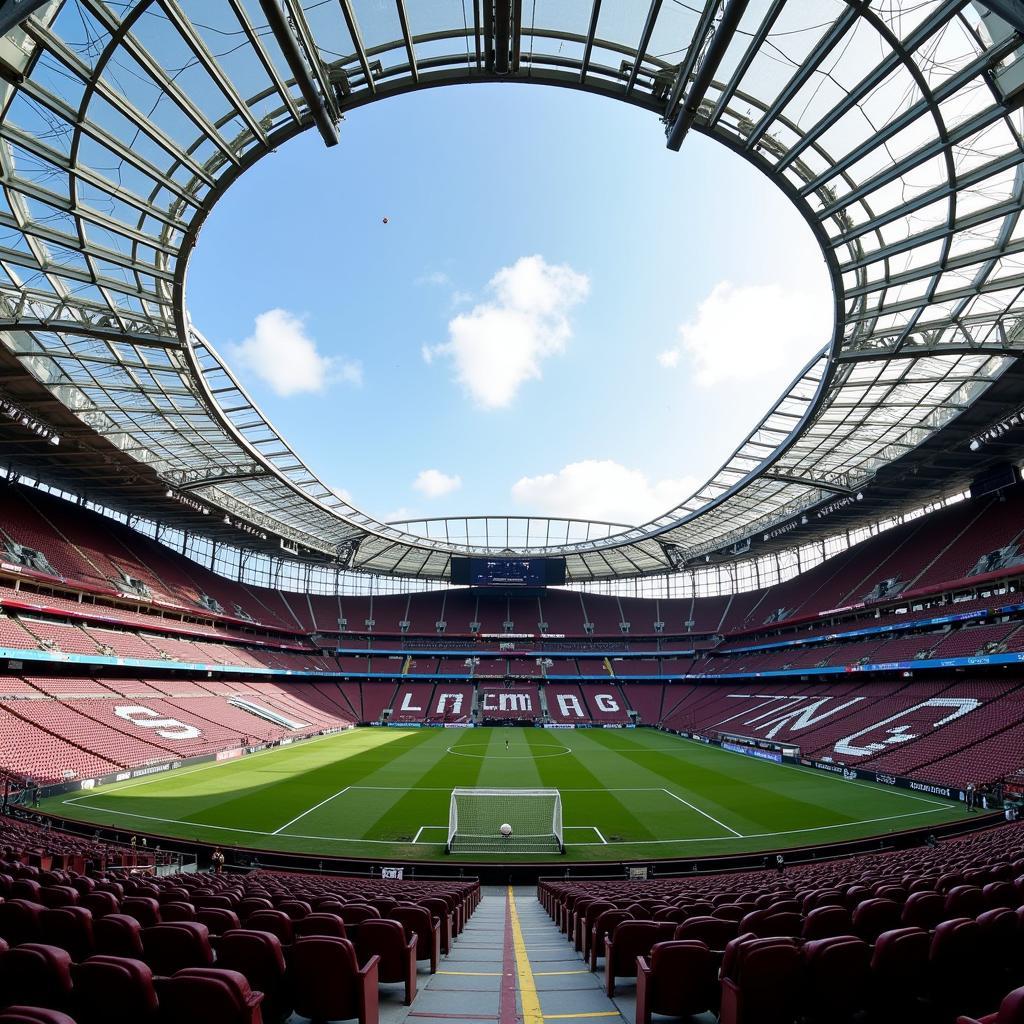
column 266, row 757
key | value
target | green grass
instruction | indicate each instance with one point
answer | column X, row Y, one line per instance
column 368, row 792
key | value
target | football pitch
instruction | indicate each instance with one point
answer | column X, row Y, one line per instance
column 384, row 793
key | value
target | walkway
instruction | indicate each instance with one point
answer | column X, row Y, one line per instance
column 511, row 965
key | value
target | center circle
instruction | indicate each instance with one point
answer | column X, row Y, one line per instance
column 558, row 752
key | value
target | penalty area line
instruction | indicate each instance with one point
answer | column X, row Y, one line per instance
column 310, row 810
column 694, row 807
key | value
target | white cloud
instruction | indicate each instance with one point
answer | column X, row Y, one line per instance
column 436, row 278
column 600, row 489
column 401, row 515
column 500, row 344
column 432, row 483
column 761, row 333
column 284, row 356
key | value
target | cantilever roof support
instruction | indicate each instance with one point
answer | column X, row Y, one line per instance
column 705, row 67
column 14, row 12
column 1010, row 11
column 297, row 65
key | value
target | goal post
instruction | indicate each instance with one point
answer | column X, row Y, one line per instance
column 476, row 818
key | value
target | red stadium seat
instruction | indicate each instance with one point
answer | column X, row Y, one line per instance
column 36, row 975
column 259, row 956
column 327, row 983
column 396, row 955
column 680, row 980
column 205, row 995
column 114, row 990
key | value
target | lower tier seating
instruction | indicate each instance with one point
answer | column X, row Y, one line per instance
column 933, row 935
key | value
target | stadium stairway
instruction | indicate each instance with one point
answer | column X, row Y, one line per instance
column 512, row 965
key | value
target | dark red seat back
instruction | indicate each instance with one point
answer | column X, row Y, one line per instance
column 384, row 938
column 320, row 924
column 100, row 903
column 837, row 976
column 217, row 919
column 173, row 947
column 19, row 921
column 209, row 996
column 260, row 957
column 114, row 990
column 273, row 921
column 118, row 935
column 34, row 974
column 69, row 928
column 684, row 979
column 714, row 932
column 824, row 922
column 144, row 909
column 923, row 910
column 323, row 978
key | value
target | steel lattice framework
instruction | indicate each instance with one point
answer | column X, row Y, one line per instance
column 895, row 126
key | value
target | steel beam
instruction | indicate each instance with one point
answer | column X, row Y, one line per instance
column 297, row 65
column 705, row 73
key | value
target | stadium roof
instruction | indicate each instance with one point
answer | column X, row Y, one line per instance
column 894, row 127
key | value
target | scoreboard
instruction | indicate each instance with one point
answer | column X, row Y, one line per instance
column 508, row 572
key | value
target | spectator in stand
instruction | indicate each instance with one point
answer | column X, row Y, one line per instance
column 780, row 863
column 969, row 796
column 218, row 861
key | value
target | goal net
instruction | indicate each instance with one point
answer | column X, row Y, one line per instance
column 476, row 818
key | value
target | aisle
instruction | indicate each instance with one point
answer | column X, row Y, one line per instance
column 511, row 965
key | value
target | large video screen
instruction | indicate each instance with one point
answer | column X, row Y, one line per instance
column 508, row 572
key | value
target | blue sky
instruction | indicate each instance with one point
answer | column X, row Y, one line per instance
column 560, row 316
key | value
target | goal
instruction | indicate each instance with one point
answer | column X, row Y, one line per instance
column 475, row 817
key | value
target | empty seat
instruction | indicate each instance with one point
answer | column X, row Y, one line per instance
column 764, row 983
column 837, row 978
column 964, row 901
column 320, row 924
column 679, row 980
column 923, row 910
column 899, row 970
column 204, row 995
column 1011, row 1011
column 604, row 924
column 295, row 909
column 356, row 913
column 715, row 933
column 824, row 922
column 260, row 957
column 33, row 1015
column 118, row 935
column 385, row 939
column 628, row 941
column 170, row 912
column 1000, row 894
column 100, row 903
column 36, row 975
column 114, row 990
column 327, row 983
column 58, row 896
column 874, row 916
column 144, row 909
column 217, row 919
column 251, row 904
column 420, row 922
column 955, row 965
column 170, row 948
column 439, row 908
column 69, row 928
column 274, row 921
column 19, row 921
